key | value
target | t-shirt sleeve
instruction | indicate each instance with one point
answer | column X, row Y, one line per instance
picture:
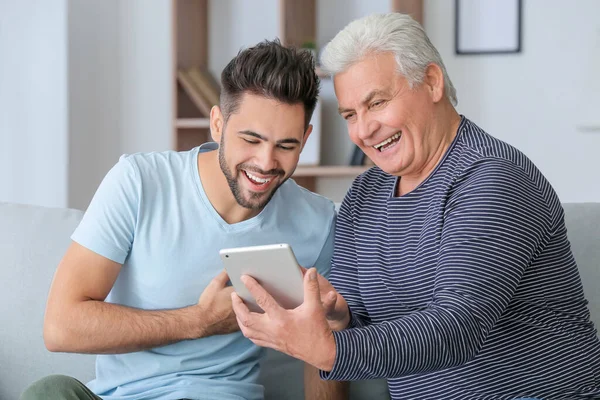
column 323, row 263
column 495, row 222
column 108, row 226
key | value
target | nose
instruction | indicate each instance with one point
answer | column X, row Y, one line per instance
column 366, row 127
column 266, row 159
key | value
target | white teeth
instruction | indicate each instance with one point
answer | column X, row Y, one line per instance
column 396, row 136
column 256, row 178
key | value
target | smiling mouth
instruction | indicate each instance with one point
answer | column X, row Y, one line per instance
column 256, row 179
column 257, row 183
column 388, row 143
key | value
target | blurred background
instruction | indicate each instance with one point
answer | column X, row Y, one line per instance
column 84, row 81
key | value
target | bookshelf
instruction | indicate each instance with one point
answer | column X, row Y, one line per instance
column 297, row 24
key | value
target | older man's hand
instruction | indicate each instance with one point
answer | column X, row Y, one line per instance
column 336, row 308
column 303, row 332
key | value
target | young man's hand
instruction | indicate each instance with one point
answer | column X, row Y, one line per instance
column 216, row 315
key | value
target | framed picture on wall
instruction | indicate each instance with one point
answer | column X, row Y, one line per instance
column 488, row 26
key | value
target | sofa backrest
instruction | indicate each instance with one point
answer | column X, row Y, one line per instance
column 583, row 230
column 33, row 240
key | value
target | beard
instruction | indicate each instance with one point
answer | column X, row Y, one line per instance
column 255, row 201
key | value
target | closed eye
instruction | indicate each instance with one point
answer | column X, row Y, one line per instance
column 376, row 104
column 282, row 147
column 250, row 141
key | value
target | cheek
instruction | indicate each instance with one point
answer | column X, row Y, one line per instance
column 394, row 119
column 412, row 148
column 239, row 154
column 288, row 162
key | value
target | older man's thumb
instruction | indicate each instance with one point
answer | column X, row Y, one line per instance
column 311, row 286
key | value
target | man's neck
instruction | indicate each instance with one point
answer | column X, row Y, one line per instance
column 217, row 190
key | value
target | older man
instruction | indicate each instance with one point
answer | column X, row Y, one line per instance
column 453, row 274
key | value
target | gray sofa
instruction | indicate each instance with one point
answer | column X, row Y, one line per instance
column 33, row 239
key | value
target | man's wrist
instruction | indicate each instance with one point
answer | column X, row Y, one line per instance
column 329, row 351
column 197, row 328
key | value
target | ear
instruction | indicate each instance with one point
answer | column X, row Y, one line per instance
column 217, row 122
column 434, row 81
column 306, row 135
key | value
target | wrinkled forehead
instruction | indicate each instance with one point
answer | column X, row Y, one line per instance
column 376, row 74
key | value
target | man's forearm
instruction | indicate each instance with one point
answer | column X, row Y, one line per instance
column 317, row 389
column 103, row 328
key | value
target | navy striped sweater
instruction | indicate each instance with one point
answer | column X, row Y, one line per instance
column 466, row 287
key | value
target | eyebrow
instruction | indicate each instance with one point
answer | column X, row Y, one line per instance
column 368, row 98
column 263, row 138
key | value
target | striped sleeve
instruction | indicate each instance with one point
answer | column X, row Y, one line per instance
column 343, row 274
column 495, row 222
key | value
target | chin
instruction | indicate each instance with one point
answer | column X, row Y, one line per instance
column 387, row 168
column 255, row 201
column 255, row 204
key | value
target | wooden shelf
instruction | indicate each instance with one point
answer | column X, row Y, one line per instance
column 191, row 123
column 330, row 171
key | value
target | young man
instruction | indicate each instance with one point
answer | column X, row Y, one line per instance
column 142, row 283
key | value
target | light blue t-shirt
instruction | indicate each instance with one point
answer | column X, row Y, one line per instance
column 152, row 215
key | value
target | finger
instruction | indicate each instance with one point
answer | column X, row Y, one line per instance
column 242, row 315
column 303, row 270
column 329, row 302
column 250, row 323
column 220, row 281
column 261, row 296
column 239, row 308
column 228, row 290
column 250, row 332
column 311, row 288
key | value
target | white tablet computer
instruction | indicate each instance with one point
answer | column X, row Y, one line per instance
column 273, row 266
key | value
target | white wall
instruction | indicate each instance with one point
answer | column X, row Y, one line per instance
column 33, row 102
column 94, row 95
column 531, row 100
column 81, row 82
column 236, row 24
column 147, row 77
column 120, row 86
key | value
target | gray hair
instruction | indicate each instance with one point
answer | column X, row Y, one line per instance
column 392, row 32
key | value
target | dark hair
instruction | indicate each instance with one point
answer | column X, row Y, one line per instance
column 269, row 69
